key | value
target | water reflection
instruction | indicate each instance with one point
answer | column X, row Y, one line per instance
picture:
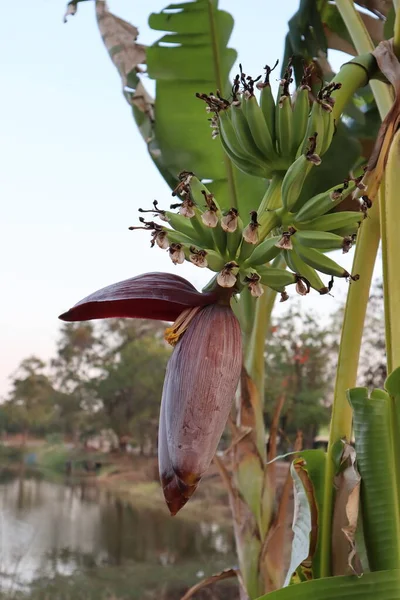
column 50, row 529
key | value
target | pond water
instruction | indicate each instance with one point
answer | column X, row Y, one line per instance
column 77, row 540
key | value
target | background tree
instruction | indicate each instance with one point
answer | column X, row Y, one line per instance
column 30, row 406
column 130, row 384
column 300, row 352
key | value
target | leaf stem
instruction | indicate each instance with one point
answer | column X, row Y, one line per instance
column 363, row 43
column 391, row 253
column 255, row 357
column 350, row 344
column 357, row 300
column 386, row 292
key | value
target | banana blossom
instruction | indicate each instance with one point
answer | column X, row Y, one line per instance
column 202, row 373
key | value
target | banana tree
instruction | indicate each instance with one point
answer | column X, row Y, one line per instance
column 285, row 184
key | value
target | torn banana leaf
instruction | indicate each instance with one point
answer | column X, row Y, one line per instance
column 345, row 560
column 308, row 473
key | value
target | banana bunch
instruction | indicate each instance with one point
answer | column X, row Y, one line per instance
column 241, row 252
column 263, row 137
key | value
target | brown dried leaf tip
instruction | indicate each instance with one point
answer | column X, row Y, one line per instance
column 390, row 67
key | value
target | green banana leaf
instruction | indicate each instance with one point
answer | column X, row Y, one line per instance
column 193, row 57
column 381, row 585
column 374, row 433
column 392, row 385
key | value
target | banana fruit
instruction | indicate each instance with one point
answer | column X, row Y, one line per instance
column 282, row 141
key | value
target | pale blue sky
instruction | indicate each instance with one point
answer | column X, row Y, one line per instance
column 73, row 168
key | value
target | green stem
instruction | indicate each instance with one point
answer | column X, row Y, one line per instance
column 396, row 33
column 255, row 358
column 386, row 296
column 357, row 300
column 350, row 344
column 391, row 253
column 352, row 76
column 363, row 44
column 272, row 197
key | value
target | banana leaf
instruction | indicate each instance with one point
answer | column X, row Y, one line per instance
column 382, row 585
column 374, row 433
column 194, row 57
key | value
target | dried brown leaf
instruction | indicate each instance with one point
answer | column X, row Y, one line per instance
column 272, row 558
column 390, row 67
column 120, row 38
column 345, row 560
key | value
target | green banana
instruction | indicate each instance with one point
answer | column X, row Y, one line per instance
column 229, row 137
column 329, row 130
column 258, row 128
column 332, row 221
column 322, row 203
column 245, row 165
column 233, row 239
column 267, row 105
column 298, row 265
column 198, row 191
column 301, row 111
column 176, row 237
column 293, row 181
column 204, row 233
column 215, row 260
column 243, row 134
column 183, row 225
column 349, row 231
column 284, row 126
column 317, row 260
column 264, row 252
column 276, row 279
column 320, row 239
column 316, row 124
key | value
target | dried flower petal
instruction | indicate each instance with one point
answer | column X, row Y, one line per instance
column 229, row 222
column 187, row 208
column 210, row 218
column 176, row 254
column 250, row 233
column 285, row 243
column 227, row 277
column 198, row 257
column 161, row 239
column 255, row 287
column 302, row 286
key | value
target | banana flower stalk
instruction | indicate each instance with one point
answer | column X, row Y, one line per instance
column 202, row 373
